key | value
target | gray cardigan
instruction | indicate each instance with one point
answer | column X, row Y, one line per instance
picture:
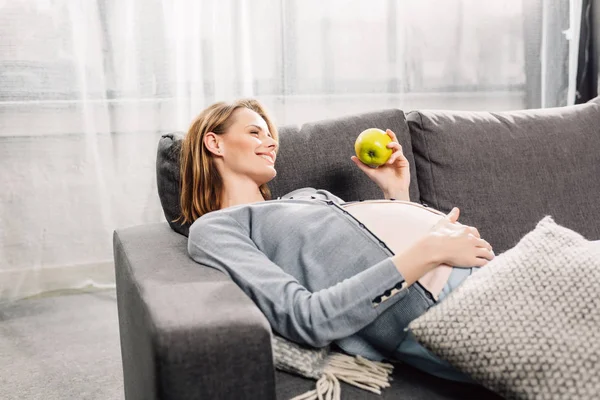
column 316, row 273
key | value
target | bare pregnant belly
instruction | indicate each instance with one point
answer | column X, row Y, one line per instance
column 399, row 228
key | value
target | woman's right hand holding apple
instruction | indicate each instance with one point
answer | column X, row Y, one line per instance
column 458, row 245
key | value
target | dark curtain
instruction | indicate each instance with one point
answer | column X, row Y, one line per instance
column 589, row 42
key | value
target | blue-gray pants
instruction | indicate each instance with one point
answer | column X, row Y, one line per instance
column 413, row 353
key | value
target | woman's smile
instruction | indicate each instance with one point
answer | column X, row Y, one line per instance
column 268, row 158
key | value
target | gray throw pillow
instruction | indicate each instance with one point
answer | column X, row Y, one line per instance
column 528, row 324
column 167, row 179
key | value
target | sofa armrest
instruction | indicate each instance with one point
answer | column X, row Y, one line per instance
column 187, row 331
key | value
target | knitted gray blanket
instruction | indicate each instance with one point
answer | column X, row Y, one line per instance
column 328, row 368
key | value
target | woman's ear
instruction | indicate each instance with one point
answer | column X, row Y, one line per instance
column 211, row 142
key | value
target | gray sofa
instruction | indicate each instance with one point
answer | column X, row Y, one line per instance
column 188, row 332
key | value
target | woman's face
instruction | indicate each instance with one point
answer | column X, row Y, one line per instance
column 248, row 148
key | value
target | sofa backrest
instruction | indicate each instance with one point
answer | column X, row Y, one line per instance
column 504, row 170
column 507, row 170
column 317, row 154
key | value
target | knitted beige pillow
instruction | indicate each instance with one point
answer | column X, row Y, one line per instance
column 527, row 325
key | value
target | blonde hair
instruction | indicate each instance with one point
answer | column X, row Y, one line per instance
column 201, row 185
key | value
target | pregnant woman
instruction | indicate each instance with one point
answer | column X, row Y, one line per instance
column 321, row 270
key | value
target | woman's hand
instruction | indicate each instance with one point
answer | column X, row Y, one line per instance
column 394, row 175
column 458, row 245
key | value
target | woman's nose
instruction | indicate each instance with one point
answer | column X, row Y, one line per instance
column 273, row 143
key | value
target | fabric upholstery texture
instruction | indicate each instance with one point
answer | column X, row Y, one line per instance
column 186, row 332
column 167, row 179
column 526, row 325
column 408, row 383
column 318, row 155
column 506, row 170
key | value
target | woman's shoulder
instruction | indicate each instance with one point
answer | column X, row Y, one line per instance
column 239, row 217
column 211, row 220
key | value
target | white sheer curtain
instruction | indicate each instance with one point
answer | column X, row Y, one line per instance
column 87, row 87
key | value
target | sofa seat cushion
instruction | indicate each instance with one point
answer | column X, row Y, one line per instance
column 506, row 170
column 407, row 383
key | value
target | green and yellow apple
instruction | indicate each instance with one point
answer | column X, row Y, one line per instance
column 370, row 147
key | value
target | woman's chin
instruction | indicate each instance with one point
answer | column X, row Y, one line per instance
column 264, row 176
column 269, row 179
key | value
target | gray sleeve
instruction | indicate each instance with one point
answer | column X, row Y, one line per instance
column 312, row 318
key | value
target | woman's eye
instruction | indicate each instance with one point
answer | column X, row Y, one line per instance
column 253, row 132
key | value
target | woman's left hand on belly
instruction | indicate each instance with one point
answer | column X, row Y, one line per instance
column 394, row 175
